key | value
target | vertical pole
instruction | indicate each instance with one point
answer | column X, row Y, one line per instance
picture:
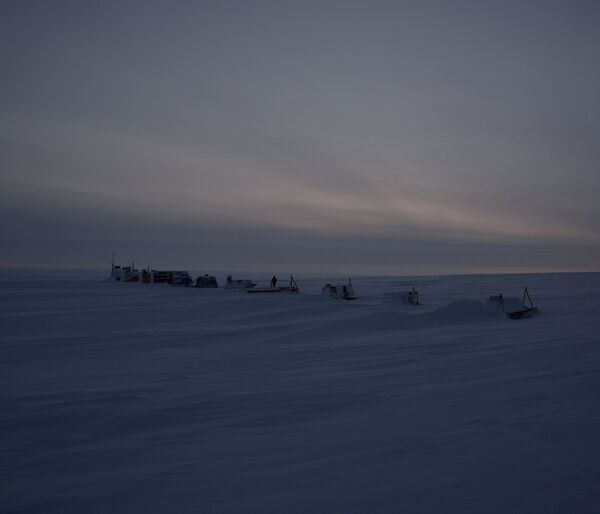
column 530, row 301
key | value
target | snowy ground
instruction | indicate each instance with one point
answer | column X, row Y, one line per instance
column 128, row 398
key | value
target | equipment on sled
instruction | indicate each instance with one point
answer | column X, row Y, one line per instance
column 206, row 281
column 344, row 292
column 239, row 284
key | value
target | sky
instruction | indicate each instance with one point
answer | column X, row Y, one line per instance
column 373, row 137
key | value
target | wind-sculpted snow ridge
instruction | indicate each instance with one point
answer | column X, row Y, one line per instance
column 126, row 398
column 457, row 312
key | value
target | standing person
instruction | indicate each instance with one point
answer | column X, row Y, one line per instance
column 274, row 281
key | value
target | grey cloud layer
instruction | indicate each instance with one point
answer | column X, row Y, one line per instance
column 347, row 129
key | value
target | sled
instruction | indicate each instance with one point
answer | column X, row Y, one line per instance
column 525, row 312
column 292, row 288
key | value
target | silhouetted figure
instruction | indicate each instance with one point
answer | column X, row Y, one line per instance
column 274, row 281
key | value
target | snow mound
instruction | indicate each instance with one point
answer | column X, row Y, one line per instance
column 465, row 309
column 513, row 303
column 459, row 312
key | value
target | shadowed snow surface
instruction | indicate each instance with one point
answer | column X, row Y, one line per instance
column 128, row 398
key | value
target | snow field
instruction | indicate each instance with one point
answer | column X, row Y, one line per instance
column 130, row 398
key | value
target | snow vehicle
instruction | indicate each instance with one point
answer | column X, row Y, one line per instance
column 239, row 284
column 147, row 276
column 128, row 273
column 292, row 288
column 180, row 279
column 344, row 292
column 206, row 281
